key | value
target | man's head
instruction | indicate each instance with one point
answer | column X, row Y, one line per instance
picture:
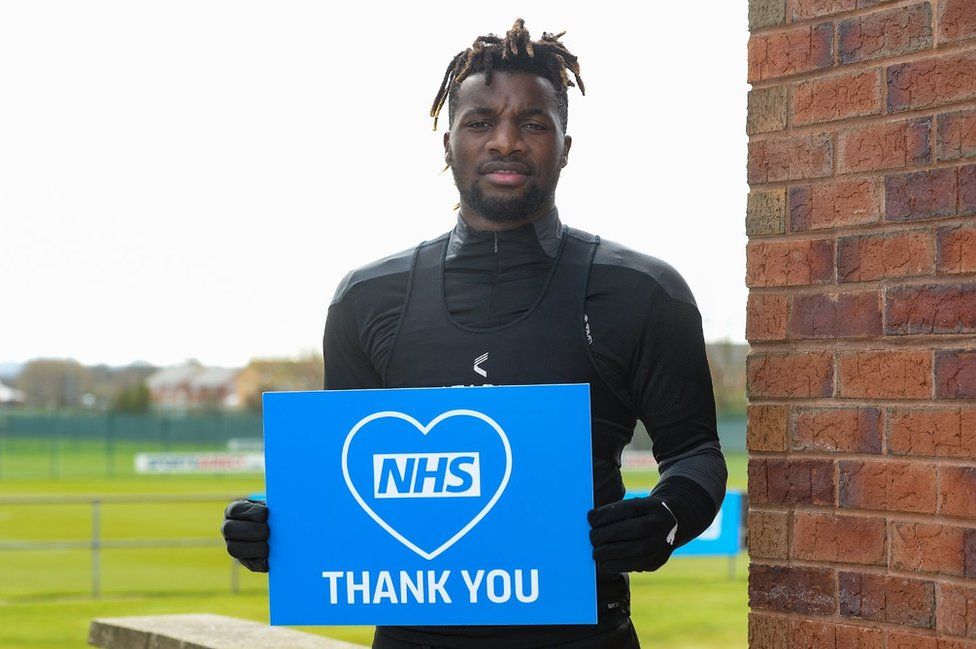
column 508, row 109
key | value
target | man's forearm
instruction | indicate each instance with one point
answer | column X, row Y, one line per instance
column 693, row 486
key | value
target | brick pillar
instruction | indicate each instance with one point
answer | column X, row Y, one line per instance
column 861, row 267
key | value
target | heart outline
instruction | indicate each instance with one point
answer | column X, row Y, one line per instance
column 425, row 430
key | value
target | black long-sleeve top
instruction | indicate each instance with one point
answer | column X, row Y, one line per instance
column 643, row 327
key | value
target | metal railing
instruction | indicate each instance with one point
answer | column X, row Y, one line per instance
column 96, row 543
column 65, row 444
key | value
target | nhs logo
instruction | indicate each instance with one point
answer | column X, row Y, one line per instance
column 427, row 475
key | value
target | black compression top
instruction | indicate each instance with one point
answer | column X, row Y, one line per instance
column 644, row 334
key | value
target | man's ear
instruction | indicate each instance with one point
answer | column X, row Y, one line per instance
column 567, row 143
column 447, row 147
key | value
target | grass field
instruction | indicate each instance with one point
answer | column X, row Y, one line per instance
column 45, row 600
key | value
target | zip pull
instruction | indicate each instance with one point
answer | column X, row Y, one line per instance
column 496, row 243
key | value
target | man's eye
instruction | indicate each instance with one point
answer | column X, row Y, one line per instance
column 536, row 127
column 477, row 124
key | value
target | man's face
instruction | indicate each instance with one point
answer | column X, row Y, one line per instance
column 506, row 145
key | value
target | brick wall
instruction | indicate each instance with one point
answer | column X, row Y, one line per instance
column 861, row 267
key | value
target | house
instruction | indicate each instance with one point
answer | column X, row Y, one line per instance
column 215, row 387
column 192, row 385
column 10, row 396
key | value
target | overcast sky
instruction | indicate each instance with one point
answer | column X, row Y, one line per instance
column 192, row 179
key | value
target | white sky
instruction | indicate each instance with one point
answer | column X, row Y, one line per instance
column 192, row 179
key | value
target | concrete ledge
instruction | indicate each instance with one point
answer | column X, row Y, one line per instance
column 201, row 631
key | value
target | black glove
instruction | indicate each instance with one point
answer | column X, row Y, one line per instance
column 246, row 533
column 632, row 535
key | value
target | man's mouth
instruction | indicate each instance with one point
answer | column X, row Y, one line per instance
column 506, row 177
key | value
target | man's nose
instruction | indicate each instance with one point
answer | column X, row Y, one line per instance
column 506, row 138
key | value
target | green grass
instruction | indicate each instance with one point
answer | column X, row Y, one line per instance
column 57, row 459
column 45, row 600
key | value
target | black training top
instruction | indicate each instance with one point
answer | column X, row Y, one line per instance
column 637, row 339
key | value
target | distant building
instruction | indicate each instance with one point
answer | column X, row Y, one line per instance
column 191, row 386
column 10, row 396
column 215, row 387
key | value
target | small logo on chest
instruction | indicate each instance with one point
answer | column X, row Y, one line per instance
column 477, row 365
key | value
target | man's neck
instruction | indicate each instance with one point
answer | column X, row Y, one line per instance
column 547, row 232
column 477, row 222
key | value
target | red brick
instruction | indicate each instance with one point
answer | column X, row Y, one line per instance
column 857, row 637
column 863, row 258
column 954, row 643
column 888, row 485
column 921, row 194
column 943, row 432
column 757, row 482
column 889, row 145
column 802, row 9
column 931, row 309
column 848, row 430
column 833, row 205
column 957, row 491
column 766, row 110
column 901, row 640
column 799, row 482
column 791, row 51
column 789, row 263
column 768, row 534
column 813, row 634
column 776, row 159
column 846, row 539
column 765, row 212
column 766, row 316
column 957, row 20
column 957, row 614
column 837, row 97
column 909, row 602
column 768, row 631
column 774, row 481
column 955, row 374
column 836, row 315
column 967, row 190
column 888, row 374
column 956, row 134
column 766, row 13
column 929, row 547
column 956, row 249
column 885, row 33
column 792, row 589
column 766, row 427
column 790, row 375
column 932, row 82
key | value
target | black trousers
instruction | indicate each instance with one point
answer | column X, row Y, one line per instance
column 623, row 636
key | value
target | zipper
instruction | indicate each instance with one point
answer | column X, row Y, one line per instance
column 498, row 270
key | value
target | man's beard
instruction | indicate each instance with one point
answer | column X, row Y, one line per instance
column 506, row 208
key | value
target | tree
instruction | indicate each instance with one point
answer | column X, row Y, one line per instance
column 132, row 399
column 264, row 375
column 54, row 383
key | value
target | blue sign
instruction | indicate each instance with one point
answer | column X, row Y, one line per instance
column 430, row 506
column 722, row 537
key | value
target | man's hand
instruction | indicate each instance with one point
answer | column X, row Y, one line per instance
column 632, row 535
column 246, row 532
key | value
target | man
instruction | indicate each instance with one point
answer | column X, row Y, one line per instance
column 512, row 296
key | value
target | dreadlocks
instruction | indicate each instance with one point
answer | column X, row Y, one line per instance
column 547, row 58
